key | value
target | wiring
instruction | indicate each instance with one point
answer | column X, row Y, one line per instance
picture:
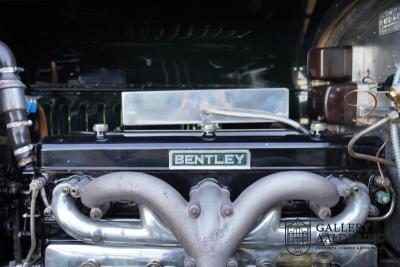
column 373, row 104
column 372, row 92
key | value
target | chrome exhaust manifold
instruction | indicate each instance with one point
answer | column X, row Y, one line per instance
column 209, row 227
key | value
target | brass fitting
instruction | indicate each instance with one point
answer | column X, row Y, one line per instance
column 394, row 93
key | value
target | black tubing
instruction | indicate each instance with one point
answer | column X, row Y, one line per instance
column 12, row 105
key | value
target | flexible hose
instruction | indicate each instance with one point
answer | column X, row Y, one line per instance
column 44, row 197
column 36, row 186
column 32, row 229
column 258, row 115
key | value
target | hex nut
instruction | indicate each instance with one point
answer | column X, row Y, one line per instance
column 47, row 212
column 100, row 127
column 96, row 214
column 227, row 210
column 194, row 211
column 97, row 236
column 75, row 192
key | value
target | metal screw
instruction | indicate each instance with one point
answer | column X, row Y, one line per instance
column 190, row 263
column 232, row 263
column 227, row 210
column 194, row 211
column 96, row 214
column 97, row 236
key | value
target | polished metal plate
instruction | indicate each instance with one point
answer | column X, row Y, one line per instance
column 209, row 159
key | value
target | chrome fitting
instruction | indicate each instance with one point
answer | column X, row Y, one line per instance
column 23, row 149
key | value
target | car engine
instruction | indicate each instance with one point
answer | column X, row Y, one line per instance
column 200, row 134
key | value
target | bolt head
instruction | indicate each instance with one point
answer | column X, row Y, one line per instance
column 318, row 126
column 47, row 212
column 194, row 211
column 96, row 214
column 97, row 236
column 209, row 128
column 325, row 213
column 100, row 127
column 393, row 115
column 227, row 210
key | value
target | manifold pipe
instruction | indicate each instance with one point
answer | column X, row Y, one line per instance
column 210, row 239
column 271, row 229
column 148, row 230
column 151, row 231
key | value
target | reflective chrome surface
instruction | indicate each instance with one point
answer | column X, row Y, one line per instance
column 184, row 106
column 360, row 255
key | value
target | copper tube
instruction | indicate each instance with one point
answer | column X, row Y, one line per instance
column 42, row 121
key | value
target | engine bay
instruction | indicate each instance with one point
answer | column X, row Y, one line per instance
column 158, row 134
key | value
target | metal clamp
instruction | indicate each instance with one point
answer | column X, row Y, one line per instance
column 23, row 149
column 11, row 70
column 16, row 124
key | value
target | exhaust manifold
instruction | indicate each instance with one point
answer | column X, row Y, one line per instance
column 210, row 227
